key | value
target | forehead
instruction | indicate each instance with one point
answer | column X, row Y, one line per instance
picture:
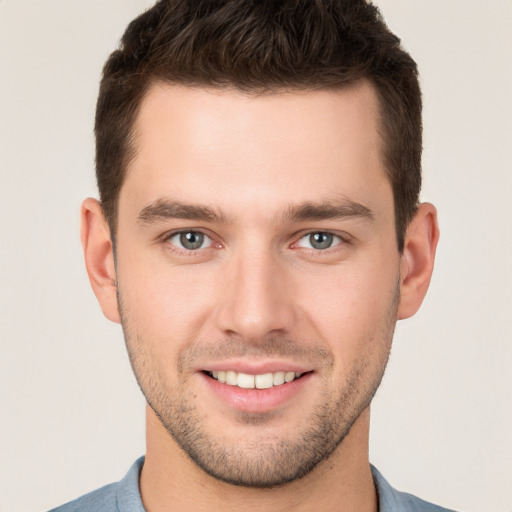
column 228, row 148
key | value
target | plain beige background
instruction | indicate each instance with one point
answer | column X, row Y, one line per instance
column 71, row 415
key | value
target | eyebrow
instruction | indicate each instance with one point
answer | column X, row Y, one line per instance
column 163, row 209
column 328, row 210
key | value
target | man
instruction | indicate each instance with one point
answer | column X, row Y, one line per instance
column 258, row 235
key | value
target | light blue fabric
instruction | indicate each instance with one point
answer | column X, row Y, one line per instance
column 391, row 500
column 124, row 496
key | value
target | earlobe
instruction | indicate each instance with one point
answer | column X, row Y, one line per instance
column 417, row 260
column 99, row 257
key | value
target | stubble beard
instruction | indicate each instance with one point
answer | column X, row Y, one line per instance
column 268, row 462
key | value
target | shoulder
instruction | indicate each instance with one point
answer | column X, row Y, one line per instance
column 122, row 496
column 391, row 500
column 104, row 499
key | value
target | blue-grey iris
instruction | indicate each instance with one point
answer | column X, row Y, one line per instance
column 321, row 240
column 191, row 240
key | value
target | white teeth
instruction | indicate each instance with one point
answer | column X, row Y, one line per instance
column 231, row 378
column 262, row 381
column 278, row 378
column 245, row 381
column 289, row 376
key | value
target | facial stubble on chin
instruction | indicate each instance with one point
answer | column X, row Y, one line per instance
column 268, row 462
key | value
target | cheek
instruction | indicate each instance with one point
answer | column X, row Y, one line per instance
column 164, row 303
column 352, row 307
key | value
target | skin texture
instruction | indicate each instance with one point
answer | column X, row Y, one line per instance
column 257, row 175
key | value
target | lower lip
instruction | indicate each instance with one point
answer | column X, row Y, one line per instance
column 257, row 400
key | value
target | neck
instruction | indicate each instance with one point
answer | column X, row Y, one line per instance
column 171, row 481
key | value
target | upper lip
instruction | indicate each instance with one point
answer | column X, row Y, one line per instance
column 257, row 367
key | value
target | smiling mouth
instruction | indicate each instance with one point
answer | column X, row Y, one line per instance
column 247, row 381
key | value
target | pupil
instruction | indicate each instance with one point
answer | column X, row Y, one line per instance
column 191, row 240
column 321, row 240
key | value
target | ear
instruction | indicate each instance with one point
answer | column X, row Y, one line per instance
column 99, row 257
column 417, row 260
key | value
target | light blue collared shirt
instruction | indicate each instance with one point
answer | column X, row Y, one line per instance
column 124, row 496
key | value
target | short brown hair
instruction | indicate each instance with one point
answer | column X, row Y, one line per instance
column 261, row 46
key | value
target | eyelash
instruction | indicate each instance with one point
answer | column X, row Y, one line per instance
column 336, row 241
column 189, row 252
column 343, row 240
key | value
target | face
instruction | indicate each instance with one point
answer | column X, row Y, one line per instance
column 257, row 272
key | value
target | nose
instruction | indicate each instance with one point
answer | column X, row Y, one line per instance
column 257, row 298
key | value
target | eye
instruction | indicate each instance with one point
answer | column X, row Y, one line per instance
column 190, row 240
column 319, row 240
